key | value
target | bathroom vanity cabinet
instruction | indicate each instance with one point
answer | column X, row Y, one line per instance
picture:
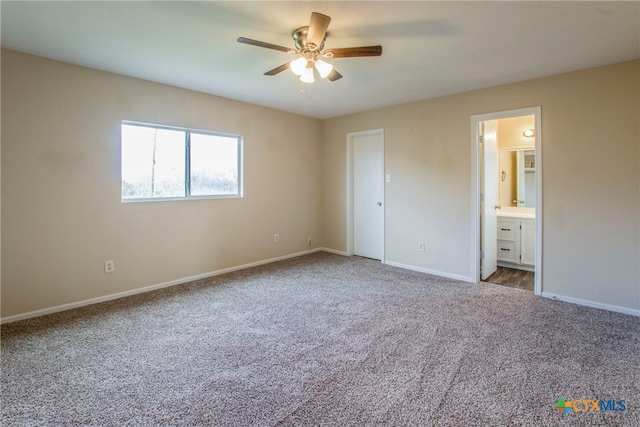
column 516, row 242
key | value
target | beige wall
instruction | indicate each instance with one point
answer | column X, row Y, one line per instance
column 61, row 210
column 591, row 192
column 62, row 215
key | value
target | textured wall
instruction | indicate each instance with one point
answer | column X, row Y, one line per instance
column 590, row 180
column 62, row 215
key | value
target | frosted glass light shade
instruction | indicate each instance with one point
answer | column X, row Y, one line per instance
column 298, row 65
column 307, row 75
column 323, row 68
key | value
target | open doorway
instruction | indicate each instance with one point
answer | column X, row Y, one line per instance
column 507, row 198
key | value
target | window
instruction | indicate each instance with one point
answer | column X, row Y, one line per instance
column 161, row 162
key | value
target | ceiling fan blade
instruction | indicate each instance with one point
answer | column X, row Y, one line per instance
column 277, row 70
column 317, row 29
column 353, row 52
column 263, row 44
column 334, row 75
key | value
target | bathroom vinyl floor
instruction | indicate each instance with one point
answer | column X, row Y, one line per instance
column 513, row 278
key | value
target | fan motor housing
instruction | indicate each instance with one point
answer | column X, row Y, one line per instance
column 300, row 39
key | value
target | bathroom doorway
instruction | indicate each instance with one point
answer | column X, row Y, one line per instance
column 507, row 232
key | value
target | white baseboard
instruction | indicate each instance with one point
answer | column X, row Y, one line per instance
column 64, row 307
column 587, row 303
column 144, row 289
column 428, row 271
column 334, row 251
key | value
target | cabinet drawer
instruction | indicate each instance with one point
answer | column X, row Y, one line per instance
column 506, row 251
column 506, row 231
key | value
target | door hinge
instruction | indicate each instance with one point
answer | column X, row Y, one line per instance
column 481, row 255
column 482, row 197
column 480, row 139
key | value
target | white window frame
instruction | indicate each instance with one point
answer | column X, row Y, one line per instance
column 187, row 177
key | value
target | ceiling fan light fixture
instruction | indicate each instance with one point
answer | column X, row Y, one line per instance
column 307, row 75
column 309, row 48
column 298, row 65
column 324, row 68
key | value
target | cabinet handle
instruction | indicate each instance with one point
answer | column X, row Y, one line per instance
column 505, row 229
column 506, row 250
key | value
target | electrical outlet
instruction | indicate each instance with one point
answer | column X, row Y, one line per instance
column 421, row 246
column 276, row 238
column 309, row 241
column 109, row 267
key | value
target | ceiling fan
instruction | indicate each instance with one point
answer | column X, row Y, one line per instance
column 309, row 43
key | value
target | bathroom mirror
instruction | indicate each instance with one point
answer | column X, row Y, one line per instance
column 517, row 178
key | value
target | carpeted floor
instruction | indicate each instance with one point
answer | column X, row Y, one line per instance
column 321, row 340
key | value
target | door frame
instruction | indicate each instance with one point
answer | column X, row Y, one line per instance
column 475, row 188
column 351, row 136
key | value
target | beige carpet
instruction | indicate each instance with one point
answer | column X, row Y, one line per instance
column 321, row 340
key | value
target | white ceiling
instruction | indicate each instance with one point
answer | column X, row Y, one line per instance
column 430, row 49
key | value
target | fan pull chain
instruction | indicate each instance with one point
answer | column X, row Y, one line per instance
column 309, row 90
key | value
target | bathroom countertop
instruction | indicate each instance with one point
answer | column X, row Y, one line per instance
column 521, row 213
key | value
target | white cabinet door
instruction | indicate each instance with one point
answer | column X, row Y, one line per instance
column 528, row 242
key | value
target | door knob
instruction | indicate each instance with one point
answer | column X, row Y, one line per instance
column 379, row 203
